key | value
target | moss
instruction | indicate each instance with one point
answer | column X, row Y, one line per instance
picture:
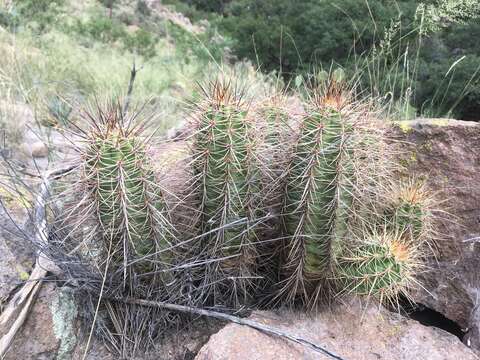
column 64, row 312
column 439, row 122
column 413, row 157
column 407, row 125
column 427, row 146
column 23, row 275
column 404, row 126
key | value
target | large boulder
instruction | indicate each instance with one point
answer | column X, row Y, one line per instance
column 352, row 331
column 447, row 154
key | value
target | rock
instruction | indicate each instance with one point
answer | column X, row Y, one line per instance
column 39, row 150
column 52, row 330
column 352, row 331
column 36, row 339
column 9, row 276
column 16, row 261
column 447, row 152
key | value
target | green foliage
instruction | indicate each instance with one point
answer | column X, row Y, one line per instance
column 142, row 8
column 290, row 36
column 141, row 42
column 449, row 73
column 101, row 28
column 209, row 5
column 9, row 19
column 410, row 46
column 110, row 30
column 39, row 15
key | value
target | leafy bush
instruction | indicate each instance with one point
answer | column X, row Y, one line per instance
column 101, row 28
column 39, row 15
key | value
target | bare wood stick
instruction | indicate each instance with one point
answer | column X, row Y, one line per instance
column 7, row 339
column 133, row 74
column 234, row 319
column 23, row 299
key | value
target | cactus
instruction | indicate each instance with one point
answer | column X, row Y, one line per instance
column 318, row 197
column 408, row 209
column 121, row 184
column 226, row 176
column 383, row 265
column 274, row 151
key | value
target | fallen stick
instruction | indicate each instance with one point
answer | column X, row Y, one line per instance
column 230, row 318
column 16, row 311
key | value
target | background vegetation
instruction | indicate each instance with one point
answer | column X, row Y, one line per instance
column 410, row 41
column 422, row 57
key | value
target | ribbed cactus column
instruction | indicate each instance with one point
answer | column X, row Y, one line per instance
column 226, row 177
column 317, row 202
column 121, row 185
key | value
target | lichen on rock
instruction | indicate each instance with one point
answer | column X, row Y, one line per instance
column 64, row 313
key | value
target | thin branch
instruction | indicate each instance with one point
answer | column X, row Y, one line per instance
column 133, row 74
column 24, row 298
column 234, row 319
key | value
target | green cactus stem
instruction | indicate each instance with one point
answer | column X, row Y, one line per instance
column 129, row 206
column 317, row 201
column 226, row 175
column 382, row 266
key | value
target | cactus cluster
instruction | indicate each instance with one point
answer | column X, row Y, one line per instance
column 285, row 208
column 314, row 185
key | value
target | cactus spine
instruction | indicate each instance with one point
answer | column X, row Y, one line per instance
column 316, row 204
column 121, row 183
column 226, row 174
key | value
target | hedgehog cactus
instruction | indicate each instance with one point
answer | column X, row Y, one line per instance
column 383, row 266
column 317, row 200
column 274, row 149
column 121, row 183
column 226, row 176
column 408, row 208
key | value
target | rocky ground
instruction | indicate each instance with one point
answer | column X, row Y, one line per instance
column 447, row 151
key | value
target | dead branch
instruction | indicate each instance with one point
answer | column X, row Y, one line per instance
column 133, row 74
column 16, row 311
column 230, row 318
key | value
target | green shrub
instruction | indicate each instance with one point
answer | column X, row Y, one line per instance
column 101, row 28
column 141, row 42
